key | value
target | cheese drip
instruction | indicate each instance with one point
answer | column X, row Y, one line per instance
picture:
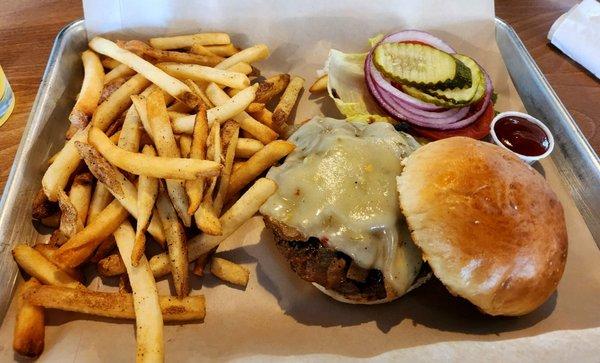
column 339, row 185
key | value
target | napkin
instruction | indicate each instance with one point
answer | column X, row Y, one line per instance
column 577, row 34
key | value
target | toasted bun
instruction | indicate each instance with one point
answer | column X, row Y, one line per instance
column 489, row 225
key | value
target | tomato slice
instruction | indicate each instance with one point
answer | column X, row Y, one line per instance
column 477, row 130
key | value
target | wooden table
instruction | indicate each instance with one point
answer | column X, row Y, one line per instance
column 28, row 29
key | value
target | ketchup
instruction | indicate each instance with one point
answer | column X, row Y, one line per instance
column 522, row 136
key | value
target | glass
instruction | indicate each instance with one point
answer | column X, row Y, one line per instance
column 7, row 98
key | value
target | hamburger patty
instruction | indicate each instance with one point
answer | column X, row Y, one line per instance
column 315, row 262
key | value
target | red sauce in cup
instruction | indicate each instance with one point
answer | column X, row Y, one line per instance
column 522, row 136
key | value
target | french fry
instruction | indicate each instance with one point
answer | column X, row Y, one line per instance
column 198, row 48
column 320, row 85
column 141, row 48
column 241, row 211
column 48, row 251
column 111, row 265
column 58, row 173
column 52, row 221
column 118, row 102
column 241, row 67
column 148, row 315
column 113, row 304
column 70, row 223
column 245, row 148
column 105, row 248
column 287, row 101
column 206, row 74
column 110, row 63
column 229, row 271
column 36, row 265
column 200, row 264
column 121, row 71
column 226, row 50
column 249, row 55
column 255, row 107
column 166, row 146
column 258, row 130
column 185, row 143
column 265, row 117
column 228, row 108
column 237, row 164
column 184, row 41
column 199, row 92
column 259, row 162
column 158, row 167
column 81, row 194
column 271, row 87
column 91, row 88
column 82, row 245
column 227, row 167
column 100, row 199
column 147, row 193
column 119, row 186
column 42, row 207
column 195, row 187
column 176, row 243
column 131, row 134
column 171, row 85
column 28, row 336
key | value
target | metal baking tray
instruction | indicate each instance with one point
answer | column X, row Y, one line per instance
column 579, row 166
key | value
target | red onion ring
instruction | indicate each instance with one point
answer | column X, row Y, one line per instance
column 418, row 36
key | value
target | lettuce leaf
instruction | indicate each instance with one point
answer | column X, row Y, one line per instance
column 348, row 89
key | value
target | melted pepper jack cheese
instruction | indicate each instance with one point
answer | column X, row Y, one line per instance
column 339, row 185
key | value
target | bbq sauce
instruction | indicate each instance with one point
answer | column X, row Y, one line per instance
column 522, row 136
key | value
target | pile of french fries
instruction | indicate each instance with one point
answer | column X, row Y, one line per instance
column 166, row 147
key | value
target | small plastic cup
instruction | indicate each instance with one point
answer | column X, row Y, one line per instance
column 525, row 158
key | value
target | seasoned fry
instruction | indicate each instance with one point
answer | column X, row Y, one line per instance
column 320, row 84
column 113, row 304
column 103, row 250
column 109, row 89
column 198, row 48
column 70, row 223
column 199, row 92
column 148, row 315
column 110, row 63
column 119, row 186
column 111, row 265
column 147, row 193
column 91, row 88
column 158, row 167
column 226, row 50
column 259, row 162
column 176, row 243
column 121, row 71
column 100, row 199
column 206, row 74
column 195, row 188
column 287, row 101
column 81, row 194
column 245, row 148
column 228, row 108
column 229, row 271
column 185, row 143
column 271, row 87
column 265, row 117
column 227, row 167
column 249, row 55
column 131, row 134
column 241, row 67
column 118, row 102
column 48, row 251
column 28, row 336
column 36, row 265
column 200, row 264
column 142, row 48
column 58, row 173
column 166, row 146
column 242, row 210
column 184, row 41
column 42, row 207
column 171, row 85
column 255, row 107
column 82, row 245
column 258, row 130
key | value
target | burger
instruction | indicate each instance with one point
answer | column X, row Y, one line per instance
column 335, row 215
column 363, row 211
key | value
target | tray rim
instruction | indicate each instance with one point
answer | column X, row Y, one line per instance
column 8, row 272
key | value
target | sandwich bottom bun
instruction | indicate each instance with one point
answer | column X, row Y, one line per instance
column 488, row 224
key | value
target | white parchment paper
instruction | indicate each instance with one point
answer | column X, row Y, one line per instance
column 278, row 315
